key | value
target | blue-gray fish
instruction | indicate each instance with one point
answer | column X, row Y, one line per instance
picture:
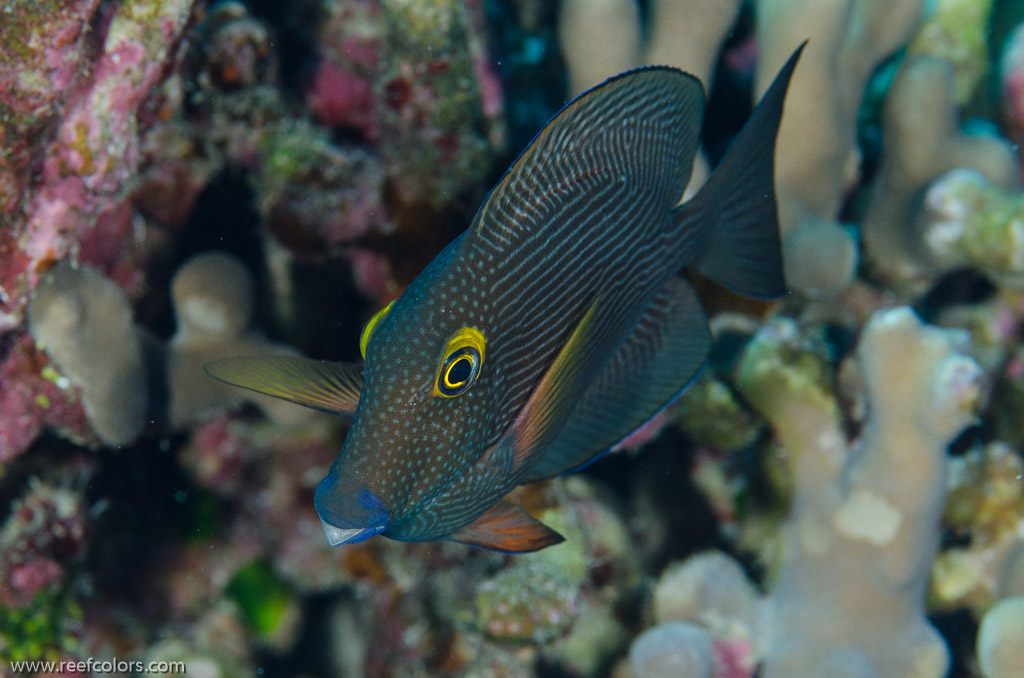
column 555, row 326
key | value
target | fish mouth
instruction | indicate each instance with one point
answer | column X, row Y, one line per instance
column 349, row 512
column 337, row 536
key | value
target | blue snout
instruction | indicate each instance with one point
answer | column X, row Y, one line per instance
column 349, row 512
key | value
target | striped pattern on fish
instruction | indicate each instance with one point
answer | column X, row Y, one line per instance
column 550, row 330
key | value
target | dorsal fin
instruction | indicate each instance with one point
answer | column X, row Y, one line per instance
column 637, row 131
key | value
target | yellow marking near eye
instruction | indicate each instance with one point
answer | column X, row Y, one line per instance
column 467, row 345
column 364, row 338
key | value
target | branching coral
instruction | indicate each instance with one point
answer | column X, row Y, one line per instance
column 1001, row 639
column 212, row 297
column 603, row 38
column 924, row 142
column 817, row 161
column 954, row 31
column 864, row 527
column 353, row 131
column 848, row 596
column 124, row 376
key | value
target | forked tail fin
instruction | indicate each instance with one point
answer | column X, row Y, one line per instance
column 735, row 212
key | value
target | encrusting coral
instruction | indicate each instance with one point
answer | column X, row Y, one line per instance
column 986, row 508
column 45, row 536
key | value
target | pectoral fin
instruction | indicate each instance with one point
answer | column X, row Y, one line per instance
column 328, row 386
column 508, row 528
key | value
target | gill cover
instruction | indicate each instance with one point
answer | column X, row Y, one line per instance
column 461, row 364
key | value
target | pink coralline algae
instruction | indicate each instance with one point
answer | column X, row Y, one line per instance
column 415, row 77
column 341, row 92
column 340, row 98
column 86, row 167
column 29, row 401
column 45, row 532
column 40, row 58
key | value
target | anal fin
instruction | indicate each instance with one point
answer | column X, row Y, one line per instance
column 665, row 351
column 508, row 528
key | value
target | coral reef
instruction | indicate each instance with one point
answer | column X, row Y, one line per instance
column 999, row 639
column 954, row 31
column 840, row 493
column 864, row 527
column 1011, row 79
column 927, row 142
column 76, row 316
column 818, row 160
column 45, row 534
column 62, row 187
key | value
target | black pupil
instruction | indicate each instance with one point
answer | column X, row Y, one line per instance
column 460, row 371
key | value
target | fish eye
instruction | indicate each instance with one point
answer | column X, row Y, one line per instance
column 464, row 356
column 459, row 371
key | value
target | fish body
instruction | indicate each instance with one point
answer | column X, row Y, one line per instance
column 553, row 327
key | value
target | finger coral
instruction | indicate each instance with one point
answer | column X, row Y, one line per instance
column 864, row 523
column 84, row 323
column 818, row 159
column 212, row 297
column 926, row 142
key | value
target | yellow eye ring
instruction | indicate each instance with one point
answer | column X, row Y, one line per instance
column 463, row 359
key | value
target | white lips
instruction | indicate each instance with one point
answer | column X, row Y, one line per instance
column 337, row 535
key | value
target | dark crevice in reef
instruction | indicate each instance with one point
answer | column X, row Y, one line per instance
column 224, row 218
column 294, row 42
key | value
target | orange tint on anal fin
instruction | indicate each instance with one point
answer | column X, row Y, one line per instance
column 508, row 528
